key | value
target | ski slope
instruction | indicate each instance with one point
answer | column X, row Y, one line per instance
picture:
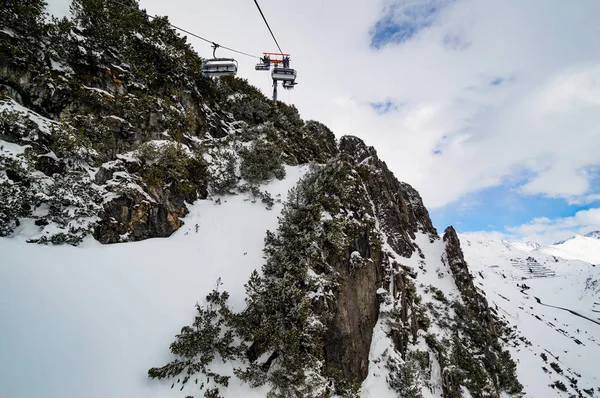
column 89, row 321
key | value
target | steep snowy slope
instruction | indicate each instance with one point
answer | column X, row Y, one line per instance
column 89, row 321
column 555, row 345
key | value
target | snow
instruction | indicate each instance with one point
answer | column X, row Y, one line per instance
column 579, row 247
column 157, row 144
column 119, row 119
column 50, row 155
column 10, row 105
column 8, row 32
column 525, row 246
column 128, row 157
column 498, row 268
column 59, row 66
column 376, row 385
column 586, row 248
column 8, row 148
column 573, row 340
column 89, row 321
column 119, row 68
column 99, row 90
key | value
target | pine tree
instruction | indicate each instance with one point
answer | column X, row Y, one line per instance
column 25, row 18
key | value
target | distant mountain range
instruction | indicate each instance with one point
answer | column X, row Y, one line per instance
column 593, row 234
column 579, row 247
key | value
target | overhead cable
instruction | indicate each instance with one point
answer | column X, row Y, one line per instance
column 265, row 19
column 193, row 34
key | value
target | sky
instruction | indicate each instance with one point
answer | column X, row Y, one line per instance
column 490, row 109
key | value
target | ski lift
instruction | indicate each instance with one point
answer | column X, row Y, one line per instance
column 281, row 71
column 265, row 65
column 284, row 74
column 216, row 67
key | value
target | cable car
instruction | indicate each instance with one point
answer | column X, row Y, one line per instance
column 284, row 74
column 219, row 67
column 216, row 67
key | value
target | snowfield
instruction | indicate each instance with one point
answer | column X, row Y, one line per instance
column 89, row 321
column 573, row 343
column 586, row 248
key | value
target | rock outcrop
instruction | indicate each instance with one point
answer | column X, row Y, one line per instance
column 400, row 212
column 398, row 206
column 354, row 313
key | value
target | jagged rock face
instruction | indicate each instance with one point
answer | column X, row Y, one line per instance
column 464, row 281
column 399, row 207
column 135, row 218
column 356, row 311
column 479, row 330
column 401, row 213
column 457, row 263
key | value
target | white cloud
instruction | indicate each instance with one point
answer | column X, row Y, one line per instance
column 547, row 231
column 503, row 89
column 584, row 200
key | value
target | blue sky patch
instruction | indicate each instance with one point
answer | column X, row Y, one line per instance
column 404, row 19
column 384, row 107
column 495, row 208
column 497, row 81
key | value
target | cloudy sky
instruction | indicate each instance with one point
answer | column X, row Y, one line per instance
column 491, row 109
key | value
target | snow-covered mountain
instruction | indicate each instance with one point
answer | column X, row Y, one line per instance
column 593, row 234
column 291, row 262
column 525, row 246
column 513, row 280
column 583, row 247
column 579, row 247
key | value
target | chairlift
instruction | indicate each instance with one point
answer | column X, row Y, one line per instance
column 265, row 64
column 281, row 71
column 216, row 67
column 220, row 67
column 284, row 74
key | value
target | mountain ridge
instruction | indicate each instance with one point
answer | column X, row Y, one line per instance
column 578, row 247
column 591, row 234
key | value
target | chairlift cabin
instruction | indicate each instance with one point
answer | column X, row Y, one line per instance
column 284, row 74
column 216, row 67
column 281, row 71
column 219, row 67
column 265, row 64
